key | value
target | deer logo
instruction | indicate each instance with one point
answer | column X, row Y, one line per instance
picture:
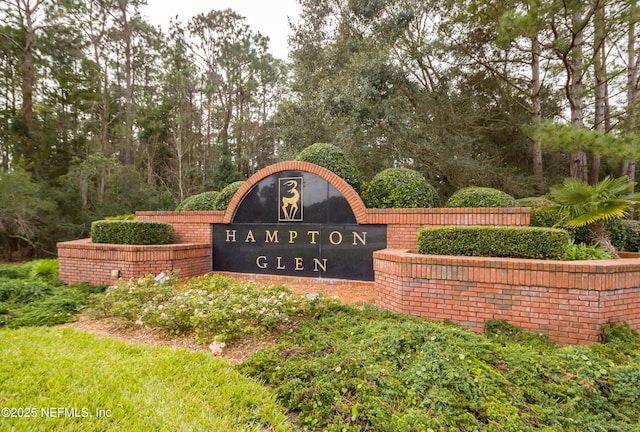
column 290, row 199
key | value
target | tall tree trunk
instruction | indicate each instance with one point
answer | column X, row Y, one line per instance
column 536, row 115
column 600, row 74
column 27, row 10
column 629, row 167
column 126, row 150
column 574, row 65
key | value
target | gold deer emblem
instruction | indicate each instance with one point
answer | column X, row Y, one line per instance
column 290, row 209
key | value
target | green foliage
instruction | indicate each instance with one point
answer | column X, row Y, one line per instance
column 365, row 369
column 335, row 160
column 22, row 207
column 400, row 188
column 617, row 147
column 480, row 197
column 222, row 200
column 128, row 216
column 541, row 216
column 203, row 201
column 31, row 295
column 583, row 204
column 496, row 241
column 582, row 251
column 213, row 307
column 132, row 232
column 632, row 235
column 138, row 387
column 46, row 269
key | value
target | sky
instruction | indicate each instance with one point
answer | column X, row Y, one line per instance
column 267, row 17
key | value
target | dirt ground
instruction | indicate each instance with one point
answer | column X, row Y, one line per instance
column 234, row 352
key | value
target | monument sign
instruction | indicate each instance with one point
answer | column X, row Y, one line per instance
column 296, row 223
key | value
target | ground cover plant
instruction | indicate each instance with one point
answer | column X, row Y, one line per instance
column 335, row 368
column 215, row 308
column 109, row 385
column 363, row 369
column 32, row 295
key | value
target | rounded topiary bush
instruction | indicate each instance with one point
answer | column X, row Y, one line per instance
column 222, row 200
column 335, row 160
column 539, row 216
column 203, row 201
column 132, row 232
column 400, row 188
column 475, row 197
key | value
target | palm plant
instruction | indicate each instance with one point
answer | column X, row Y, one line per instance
column 582, row 204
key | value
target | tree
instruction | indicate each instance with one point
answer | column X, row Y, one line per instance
column 592, row 205
column 25, row 15
column 22, row 209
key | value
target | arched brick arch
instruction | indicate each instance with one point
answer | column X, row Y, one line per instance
column 352, row 197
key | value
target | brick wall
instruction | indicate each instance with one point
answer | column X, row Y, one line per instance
column 402, row 224
column 569, row 301
column 189, row 226
column 83, row 261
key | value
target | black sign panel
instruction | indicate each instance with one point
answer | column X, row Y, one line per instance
column 295, row 223
column 294, row 196
column 305, row 250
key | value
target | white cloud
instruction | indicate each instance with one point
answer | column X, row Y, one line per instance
column 267, row 17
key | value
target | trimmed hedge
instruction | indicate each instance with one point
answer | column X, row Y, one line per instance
column 202, row 201
column 495, row 241
column 222, row 200
column 475, row 197
column 400, row 188
column 132, row 232
column 335, row 160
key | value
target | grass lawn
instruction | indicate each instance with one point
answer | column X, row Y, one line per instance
column 114, row 386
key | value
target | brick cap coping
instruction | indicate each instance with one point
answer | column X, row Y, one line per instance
column 179, row 216
column 612, row 266
column 87, row 244
column 388, row 216
column 343, row 187
column 297, row 280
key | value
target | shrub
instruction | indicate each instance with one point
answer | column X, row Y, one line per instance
column 214, row 307
column 540, row 217
column 480, row 197
column 222, row 200
column 400, row 188
column 44, row 269
column 582, row 251
column 514, row 242
column 121, row 217
column 335, row 160
column 632, row 230
column 203, row 201
column 132, row 232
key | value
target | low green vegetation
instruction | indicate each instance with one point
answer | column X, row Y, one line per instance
column 212, row 307
column 108, row 385
column 400, row 188
column 363, row 369
column 583, row 251
column 474, row 197
column 132, row 232
column 31, row 295
column 333, row 367
column 495, row 241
